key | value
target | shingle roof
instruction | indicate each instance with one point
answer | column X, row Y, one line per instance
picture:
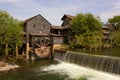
column 105, row 27
column 33, row 18
column 30, row 18
column 68, row 16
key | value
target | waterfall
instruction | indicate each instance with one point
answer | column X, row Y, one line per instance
column 65, row 55
column 102, row 63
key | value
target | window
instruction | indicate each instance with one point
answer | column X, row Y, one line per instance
column 34, row 26
column 44, row 26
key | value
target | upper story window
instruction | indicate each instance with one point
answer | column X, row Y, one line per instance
column 36, row 18
column 34, row 25
column 44, row 26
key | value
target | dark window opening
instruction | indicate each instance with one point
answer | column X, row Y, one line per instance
column 44, row 26
column 34, row 26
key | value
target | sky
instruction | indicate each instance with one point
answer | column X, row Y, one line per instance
column 53, row 10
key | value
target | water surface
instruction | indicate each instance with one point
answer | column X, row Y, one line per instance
column 111, row 51
column 54, row 70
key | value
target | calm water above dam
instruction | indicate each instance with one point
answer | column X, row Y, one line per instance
column 112, row 51
column 54, row 70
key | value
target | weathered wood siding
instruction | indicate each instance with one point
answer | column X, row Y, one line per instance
column 57, row 39
column 37, row 25
column 66, row 22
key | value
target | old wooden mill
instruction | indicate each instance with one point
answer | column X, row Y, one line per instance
column 37, row 38
column 40, row 36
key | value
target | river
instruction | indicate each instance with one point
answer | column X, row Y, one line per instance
column 54, row 70
column 111, row 51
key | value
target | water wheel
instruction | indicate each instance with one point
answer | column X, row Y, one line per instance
column 42, row 48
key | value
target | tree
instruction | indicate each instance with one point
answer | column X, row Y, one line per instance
column 78, row 42
column 116, row 22
column 84, row 23
column 5, row 22
column 87, row 28
column 10, row 30
column 16, row 33
column 115, row 35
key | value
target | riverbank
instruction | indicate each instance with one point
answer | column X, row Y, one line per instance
column 5, row 66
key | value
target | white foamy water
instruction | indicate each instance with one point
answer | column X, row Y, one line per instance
column 75, row 71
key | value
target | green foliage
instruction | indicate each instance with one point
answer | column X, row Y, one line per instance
column 16, row 32
column 10, row 30
column 87, row 30
column 84, row 23
column 115, row 36
column 116, row 21
column 78, row 42
column 5, row 24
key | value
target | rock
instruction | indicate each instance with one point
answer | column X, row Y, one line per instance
column 2, row 64
column 8, row 67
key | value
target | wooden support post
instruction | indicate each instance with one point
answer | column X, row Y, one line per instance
column 6, row 49
column 100, row 45
column 16, row 50
column 33, row 43
column 27, row 50
column 51, row 47
column 23, row 48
